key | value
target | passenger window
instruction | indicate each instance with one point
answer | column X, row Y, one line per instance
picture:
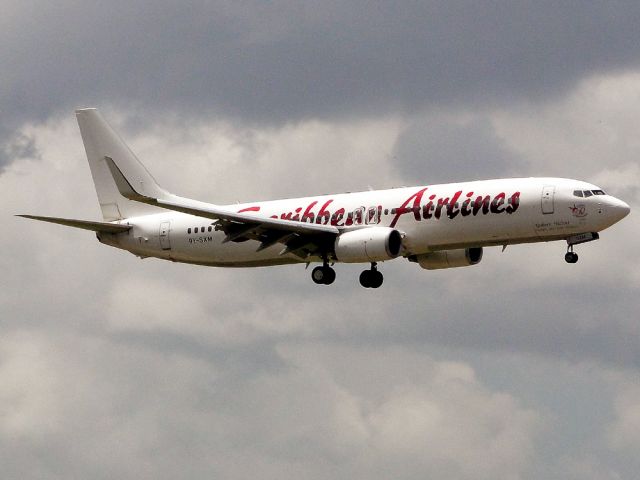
column 358, row 215
column 209, row 229
column 189, row 230
column 372, row 216
column 587, row 193
column 577, row 193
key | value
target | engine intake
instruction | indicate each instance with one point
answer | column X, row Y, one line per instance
column 374, row 244
column 463, row 257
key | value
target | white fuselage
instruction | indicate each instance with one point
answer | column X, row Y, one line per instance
column 431, row 218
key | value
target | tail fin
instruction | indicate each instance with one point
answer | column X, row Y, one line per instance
column 101, row 141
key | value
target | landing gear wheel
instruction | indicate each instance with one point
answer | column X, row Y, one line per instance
column 377, row 279
column 317, row 275
column 324, row 275
column 571, row 257
column 365, row 278
column 329, row 275
column 371, row 278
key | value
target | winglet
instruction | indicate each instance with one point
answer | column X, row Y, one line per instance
column 124, row 187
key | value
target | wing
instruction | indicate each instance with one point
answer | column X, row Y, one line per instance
column 301, row 239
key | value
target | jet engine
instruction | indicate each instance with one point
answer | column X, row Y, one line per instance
column 463, row 257
column 374, row 244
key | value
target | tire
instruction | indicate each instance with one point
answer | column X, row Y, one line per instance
column 329, row 275
column 571, row 257
column 365, row 279
column 376, row 279
column 318, row 275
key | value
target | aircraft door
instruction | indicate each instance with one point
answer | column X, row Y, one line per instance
column 548, row 191
column 165, row 243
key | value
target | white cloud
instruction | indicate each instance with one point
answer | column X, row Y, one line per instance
column 624, row 433
column 28, row 379
column 452, row 426
column 586, row 468
column 111, row 408
column 441, row 423
column 585, row 135
column 224, row 163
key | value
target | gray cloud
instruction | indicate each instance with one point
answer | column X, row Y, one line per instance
column 285, row 60
column 432, row 150
column 16, row 146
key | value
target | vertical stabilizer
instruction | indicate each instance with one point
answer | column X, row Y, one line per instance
column 101, row 141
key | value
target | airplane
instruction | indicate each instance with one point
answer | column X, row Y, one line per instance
column 435, row 226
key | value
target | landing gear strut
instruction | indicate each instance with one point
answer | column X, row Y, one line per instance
column 571, row 256
column 371, row 278
column 324, row 275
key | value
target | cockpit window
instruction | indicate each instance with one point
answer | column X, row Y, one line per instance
column 587, row 193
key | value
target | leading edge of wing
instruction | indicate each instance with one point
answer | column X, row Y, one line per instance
column 201, row 209
column 102, row 227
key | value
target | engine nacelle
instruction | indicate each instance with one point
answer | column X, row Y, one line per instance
column 463, row 257
column 374, row 244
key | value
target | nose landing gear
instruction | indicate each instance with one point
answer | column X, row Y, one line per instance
column 570, row 256
column 371, row 278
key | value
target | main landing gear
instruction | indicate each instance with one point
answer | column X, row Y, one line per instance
column 371, row 278
column 324, row 275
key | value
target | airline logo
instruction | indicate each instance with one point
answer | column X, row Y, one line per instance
column 578, row 210
column 463, row 204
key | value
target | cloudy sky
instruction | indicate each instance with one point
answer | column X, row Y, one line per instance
column 522, row 367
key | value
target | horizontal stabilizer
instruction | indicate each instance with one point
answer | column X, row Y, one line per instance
column 102, row 227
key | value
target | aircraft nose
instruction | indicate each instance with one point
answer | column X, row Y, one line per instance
column 618, row 208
